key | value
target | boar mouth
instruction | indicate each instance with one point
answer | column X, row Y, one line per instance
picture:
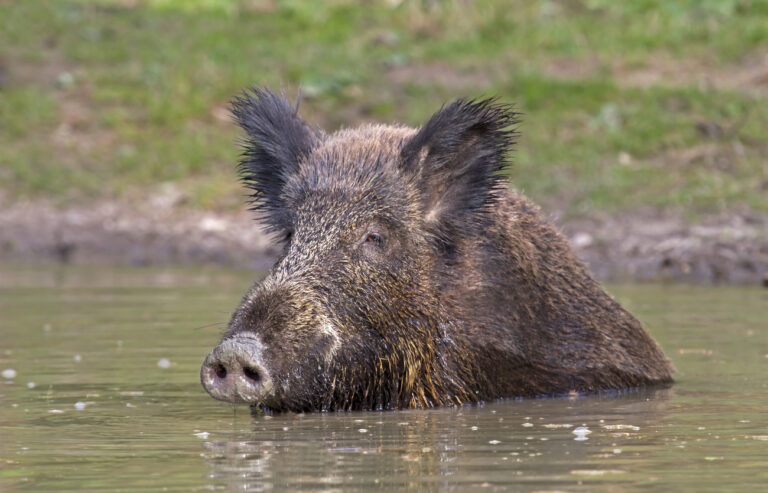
column 261, row 409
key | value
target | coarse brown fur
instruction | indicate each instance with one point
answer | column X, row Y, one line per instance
column 412, row 276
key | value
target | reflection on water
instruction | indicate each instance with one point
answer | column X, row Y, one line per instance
column 501, row 444
column 104, row 395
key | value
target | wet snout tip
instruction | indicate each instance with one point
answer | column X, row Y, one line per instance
column 234, row 372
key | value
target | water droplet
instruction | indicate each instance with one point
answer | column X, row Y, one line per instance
column 581, row 433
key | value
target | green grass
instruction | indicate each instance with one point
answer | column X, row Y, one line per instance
column 107, row 98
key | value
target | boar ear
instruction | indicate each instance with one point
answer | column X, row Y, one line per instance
column 277, row 139
column 456, row 158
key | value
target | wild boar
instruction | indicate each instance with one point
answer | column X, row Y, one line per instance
column 412, row 275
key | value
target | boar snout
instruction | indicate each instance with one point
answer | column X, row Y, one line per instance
column 235, row 372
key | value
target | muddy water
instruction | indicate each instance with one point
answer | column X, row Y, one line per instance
column 104, row 395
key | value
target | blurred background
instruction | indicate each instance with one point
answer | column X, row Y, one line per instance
column 644, row 127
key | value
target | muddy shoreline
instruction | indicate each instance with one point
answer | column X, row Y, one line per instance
column 642, row 247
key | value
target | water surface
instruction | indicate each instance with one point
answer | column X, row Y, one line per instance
column 106, row 396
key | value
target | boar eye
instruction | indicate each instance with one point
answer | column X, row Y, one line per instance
column 288, row 237
column 373, row 239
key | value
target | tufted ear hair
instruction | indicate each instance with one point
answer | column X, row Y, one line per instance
column 455, row 160
column 277, row 139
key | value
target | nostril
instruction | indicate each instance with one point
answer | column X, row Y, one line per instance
column 252, row 374
column 220, row 371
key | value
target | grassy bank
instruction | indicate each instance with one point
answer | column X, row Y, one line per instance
column 635, row 104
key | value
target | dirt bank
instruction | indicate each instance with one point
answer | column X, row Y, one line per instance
column 643, row 247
